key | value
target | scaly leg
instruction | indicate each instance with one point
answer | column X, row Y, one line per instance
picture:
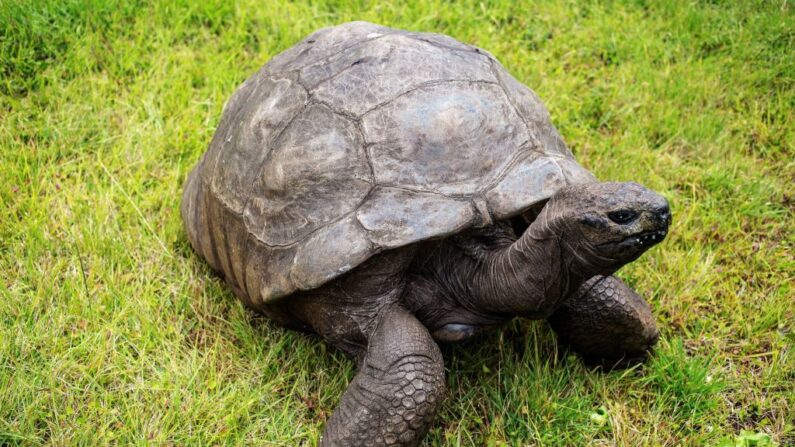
column 607, row 323
column 394, row 397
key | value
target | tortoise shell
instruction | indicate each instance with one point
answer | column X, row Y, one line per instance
column 359, row 139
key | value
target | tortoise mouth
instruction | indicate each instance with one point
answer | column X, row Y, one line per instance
column 639, row 241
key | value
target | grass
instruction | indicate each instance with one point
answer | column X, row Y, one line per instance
column 112, row 332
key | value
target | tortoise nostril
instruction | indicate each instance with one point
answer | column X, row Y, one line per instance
column 664, row 214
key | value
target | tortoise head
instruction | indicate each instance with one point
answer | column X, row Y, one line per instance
column 610, row 224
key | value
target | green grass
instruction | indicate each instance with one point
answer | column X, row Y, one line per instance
column 113, row 332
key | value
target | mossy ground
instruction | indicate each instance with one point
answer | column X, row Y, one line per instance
column 113, row 332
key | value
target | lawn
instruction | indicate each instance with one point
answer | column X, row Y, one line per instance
column 113, row 332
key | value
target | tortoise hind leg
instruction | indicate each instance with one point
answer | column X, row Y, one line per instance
column 397, row 390
column 607, row 323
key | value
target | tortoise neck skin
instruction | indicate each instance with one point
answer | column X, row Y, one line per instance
column 583, row 231
column 532, row 276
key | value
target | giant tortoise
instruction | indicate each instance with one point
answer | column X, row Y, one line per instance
column 392, row 190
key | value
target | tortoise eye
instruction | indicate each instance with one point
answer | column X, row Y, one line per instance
column 622, row 216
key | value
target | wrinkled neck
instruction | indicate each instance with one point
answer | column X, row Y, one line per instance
column 534, row 275
column 552, row 275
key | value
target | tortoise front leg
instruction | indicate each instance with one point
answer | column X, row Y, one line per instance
column 607, row 323
column 394, row 396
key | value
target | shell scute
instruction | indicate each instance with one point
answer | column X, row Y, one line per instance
column 343, row 244
column 534, row 114
column 390, row 216
column 323, row 43
column 244, row 140
column 376, row 71
column 452, row 137
column 316, row 172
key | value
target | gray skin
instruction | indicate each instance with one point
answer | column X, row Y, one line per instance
column 388, row 217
